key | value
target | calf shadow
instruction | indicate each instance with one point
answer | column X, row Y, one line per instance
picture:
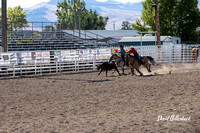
column 80, row 80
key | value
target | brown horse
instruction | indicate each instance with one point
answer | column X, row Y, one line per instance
column 135, row 63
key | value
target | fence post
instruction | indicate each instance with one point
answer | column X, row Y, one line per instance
column 20, row 69
column 56, row 66
column 40, row 62
column 35, row 67
column 77, row 63
column 20, row 58
column 60, row 63
column 94, row 61
column 13, row 70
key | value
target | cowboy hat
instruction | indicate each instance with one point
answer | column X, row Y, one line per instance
column 131, row 47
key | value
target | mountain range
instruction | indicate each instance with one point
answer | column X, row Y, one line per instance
column 116, row 11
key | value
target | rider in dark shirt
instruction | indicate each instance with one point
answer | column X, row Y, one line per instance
column 122, row 53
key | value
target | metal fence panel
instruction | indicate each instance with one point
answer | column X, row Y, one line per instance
column 40, row 62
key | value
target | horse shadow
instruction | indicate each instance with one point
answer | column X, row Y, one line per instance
column 149, row 75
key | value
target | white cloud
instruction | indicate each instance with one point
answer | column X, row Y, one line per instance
column 128, row 1
column 101, row 0
column 23, row 3
column 119, row 15
column 122, row 1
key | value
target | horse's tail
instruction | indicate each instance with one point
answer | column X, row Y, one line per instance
column 151, row 59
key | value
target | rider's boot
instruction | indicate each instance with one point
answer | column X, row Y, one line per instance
column 141, row 62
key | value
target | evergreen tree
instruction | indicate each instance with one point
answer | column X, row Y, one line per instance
column 126, row 25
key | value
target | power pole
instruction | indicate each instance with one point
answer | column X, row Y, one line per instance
column 4, row 25
column 75, row 17
column 79, row 18
column 157, row 22
column 114, row 24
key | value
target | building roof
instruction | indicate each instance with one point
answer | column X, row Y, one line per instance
column 143, row 39
column 104, row 33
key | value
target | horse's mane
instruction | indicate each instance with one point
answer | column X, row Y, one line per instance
column 116, row 55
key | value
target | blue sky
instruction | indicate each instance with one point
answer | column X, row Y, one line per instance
column 24, row 3
column 30, row 3
column 116, row 14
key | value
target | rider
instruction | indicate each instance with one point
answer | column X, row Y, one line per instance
column 122, row 53
column 133, row 51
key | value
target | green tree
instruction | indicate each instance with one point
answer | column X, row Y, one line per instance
column 89, row 19
column 16, row 18
column 139, row 27
column 65, row 14
column 148, row 14
column 126, row 25
column 187, row 19
column 167, row 18
column 49, row 28
column 166, row 15
column 177, row 17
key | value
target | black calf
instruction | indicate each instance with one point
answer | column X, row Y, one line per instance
column 107, row 66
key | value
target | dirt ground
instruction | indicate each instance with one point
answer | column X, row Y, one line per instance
column 86, row 103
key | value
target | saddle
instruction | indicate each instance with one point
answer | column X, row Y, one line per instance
column 142, row 57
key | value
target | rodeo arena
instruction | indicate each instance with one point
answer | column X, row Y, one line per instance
column 50, row 83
